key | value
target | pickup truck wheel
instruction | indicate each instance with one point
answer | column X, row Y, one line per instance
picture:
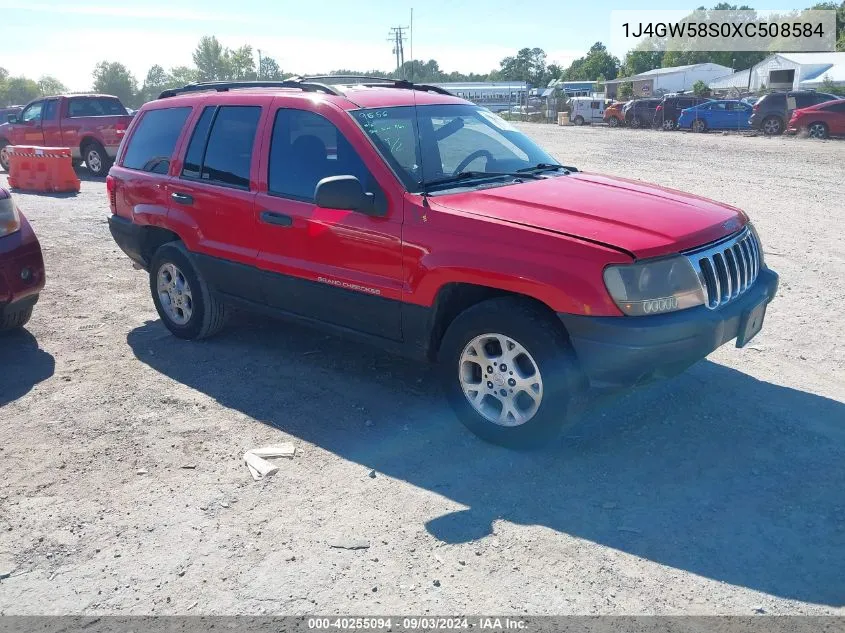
column 509, row 372
column 14, row 320
column 182, row 298
column 4, row 155
column 96, row 159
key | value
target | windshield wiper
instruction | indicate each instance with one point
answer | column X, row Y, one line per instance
column 470, row 175
column 543, row 167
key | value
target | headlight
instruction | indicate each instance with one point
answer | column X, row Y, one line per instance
column 10, row 219
column 654, row 287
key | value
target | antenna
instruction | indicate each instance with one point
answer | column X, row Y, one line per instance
column 411, row 78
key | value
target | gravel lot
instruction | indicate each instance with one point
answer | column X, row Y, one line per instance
column 720, row 491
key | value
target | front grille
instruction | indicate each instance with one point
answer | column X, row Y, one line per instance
column 727, row 268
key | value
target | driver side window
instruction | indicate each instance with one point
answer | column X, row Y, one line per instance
column 33, row 112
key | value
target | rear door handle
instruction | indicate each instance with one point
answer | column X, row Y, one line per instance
column 182, row 198
column 279, row 219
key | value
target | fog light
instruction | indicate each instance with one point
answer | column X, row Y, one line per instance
column 26, row 273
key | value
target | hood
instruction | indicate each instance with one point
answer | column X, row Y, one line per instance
column 642, row 219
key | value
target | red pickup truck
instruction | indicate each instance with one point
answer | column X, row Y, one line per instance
column 91, row 125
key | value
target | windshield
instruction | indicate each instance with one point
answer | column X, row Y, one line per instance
column 430, row 143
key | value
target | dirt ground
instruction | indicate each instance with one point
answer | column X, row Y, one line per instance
column 720, row 491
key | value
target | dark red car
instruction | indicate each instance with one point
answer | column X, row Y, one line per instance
column 819, row 121
column 428, row 225
column 21, row 265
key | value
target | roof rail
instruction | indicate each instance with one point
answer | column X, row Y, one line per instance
column 225, row 86
column 374, row 82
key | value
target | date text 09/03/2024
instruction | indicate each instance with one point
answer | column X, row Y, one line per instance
column 417, row 623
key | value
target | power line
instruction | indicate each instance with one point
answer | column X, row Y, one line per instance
column 397, row 37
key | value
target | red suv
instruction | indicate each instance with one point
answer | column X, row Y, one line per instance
column 430, row 226
column 21, row 265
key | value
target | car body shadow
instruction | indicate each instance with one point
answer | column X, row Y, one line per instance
column 713, row 472
column 22, row 364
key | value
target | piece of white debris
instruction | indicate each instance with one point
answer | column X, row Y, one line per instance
column 350, row 544
column 141, row 471
column 256, row 459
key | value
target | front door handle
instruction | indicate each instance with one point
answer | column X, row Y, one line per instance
column 182, row 198
column 279, row 219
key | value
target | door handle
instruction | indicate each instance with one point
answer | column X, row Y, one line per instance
column 279, row 219
column 182, row 198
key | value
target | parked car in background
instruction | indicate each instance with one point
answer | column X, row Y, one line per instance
column 613, row 114
column 819, row 121
column 667, row 112
column 723, row 114
column 92, row 126
column 773, row 111
column 586, row 110
column 21, row 265
column 640, row 112
column 5, row 113
column 332, row 205
column 750, row 100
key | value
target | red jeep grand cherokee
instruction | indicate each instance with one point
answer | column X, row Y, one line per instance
column 426, row 224
column 21, row 265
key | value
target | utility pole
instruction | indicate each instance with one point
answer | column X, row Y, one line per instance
column 259, row 63
column 397, row 36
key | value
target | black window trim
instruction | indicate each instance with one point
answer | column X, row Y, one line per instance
column 311, row 200
column 217, row 183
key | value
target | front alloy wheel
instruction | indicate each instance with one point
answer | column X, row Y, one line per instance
column 500, row 379
column 4, row 158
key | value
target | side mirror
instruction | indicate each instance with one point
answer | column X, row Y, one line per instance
column 12, row 118
column 345, row 192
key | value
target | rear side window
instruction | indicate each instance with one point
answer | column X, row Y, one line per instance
column 95, row 106
column 220, row 151
column 154, row 140
column 804, row 100
column 50, row 109
column 835, row 107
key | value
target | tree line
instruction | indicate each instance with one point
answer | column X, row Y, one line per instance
column 214, row 62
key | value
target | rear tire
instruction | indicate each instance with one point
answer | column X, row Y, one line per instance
column 636, row 123
column 699, row 125
column 579, row 120
column 613, row 121
column 669, row 124
column 183, row 300
column 4, row 156
column 519, row 358
column 15, row 320
column 96, row 159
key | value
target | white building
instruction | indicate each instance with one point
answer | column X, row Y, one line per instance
column 785, row 71
column 675, row 79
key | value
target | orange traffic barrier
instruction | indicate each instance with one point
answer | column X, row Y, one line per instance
column 42, row 169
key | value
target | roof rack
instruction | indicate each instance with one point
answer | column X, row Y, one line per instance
column 225, row 86
column 378, row 82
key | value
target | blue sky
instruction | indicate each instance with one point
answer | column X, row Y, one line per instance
column 67, row 38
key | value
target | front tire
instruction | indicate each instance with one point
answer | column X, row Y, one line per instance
column 96, row 159
column 669, row 124
column 772, row 126
column 4, row 156
column 16, row 319
column 636, row 123
column 182, row 298
column 509, row 372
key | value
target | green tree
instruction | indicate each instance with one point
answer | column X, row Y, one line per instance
column 155, row 82
column 269, row 69
column 700, row 89
column 642, row 58
column 113, row 78
column 830, row 87
column 626, row 91
column 596, row 62
column 242, row 64
column 529, row 64
column 48, row 85
column 4, row 74
column 211, row 60
column 18, row 90
column 182, row 76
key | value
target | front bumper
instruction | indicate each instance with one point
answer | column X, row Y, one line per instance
column 622, row 352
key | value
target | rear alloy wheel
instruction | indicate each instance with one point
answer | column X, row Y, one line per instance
column 817, row 130
column 4, row 157
column 636, row 123
column 669, row 124
column 613, row 121
column 181, row 297
column 509, row 372
column 772, row 126
column 699, row 125
column 96, row 159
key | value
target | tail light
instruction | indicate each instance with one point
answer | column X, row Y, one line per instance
column 659, row 108
column 755, row 107
column 111, row 188
column 120, row 128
